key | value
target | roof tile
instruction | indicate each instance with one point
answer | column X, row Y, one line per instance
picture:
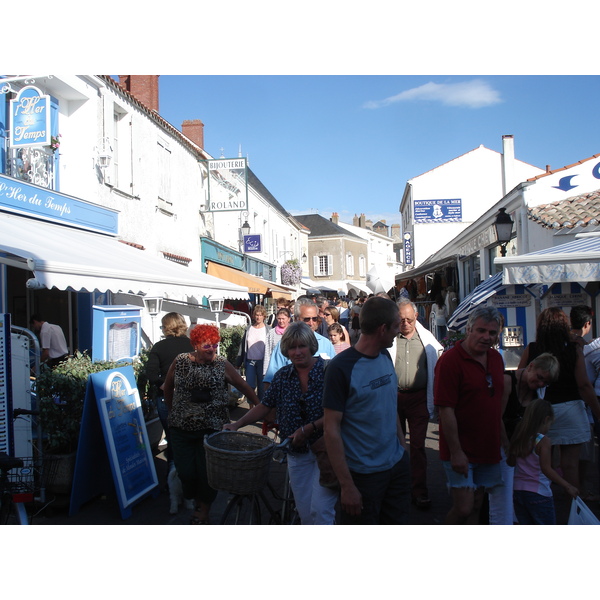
column 581, row 210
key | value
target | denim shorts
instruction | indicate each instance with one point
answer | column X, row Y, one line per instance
column 480, row 475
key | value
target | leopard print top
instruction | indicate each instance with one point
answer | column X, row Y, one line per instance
column 200, row 398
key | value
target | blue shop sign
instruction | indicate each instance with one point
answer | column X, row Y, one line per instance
column 253, row 243
column 30, row 118
column 442, row 210
column 407, row 249
column 31, row 200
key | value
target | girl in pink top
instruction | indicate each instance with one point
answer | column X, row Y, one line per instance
column 337, row 337
column 530, row 450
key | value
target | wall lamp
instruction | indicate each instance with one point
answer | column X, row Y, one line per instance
column 503, row 225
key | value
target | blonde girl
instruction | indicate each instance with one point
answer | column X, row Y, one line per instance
column 530, row 452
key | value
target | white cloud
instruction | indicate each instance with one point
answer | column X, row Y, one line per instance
column 472, row 94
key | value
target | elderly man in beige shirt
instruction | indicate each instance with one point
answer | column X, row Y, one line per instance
column 416, row 354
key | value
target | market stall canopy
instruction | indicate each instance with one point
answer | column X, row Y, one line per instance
column 71, row 259
column 255, row 285
column 576, row 261
column 480, row 294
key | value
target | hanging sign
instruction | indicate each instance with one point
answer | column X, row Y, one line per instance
column 30, row 118
column 407, row 249
column 227, row 184
column 253, row 243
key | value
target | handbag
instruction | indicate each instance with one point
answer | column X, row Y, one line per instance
column 327, row 477
column 580, row 514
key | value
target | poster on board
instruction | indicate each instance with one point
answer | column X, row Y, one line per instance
column 113, row 400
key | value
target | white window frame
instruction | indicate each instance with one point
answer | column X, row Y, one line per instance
column 362, row 265
column 349, row 264
column 323, row 265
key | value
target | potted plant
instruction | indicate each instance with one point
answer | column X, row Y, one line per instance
column 60, row 395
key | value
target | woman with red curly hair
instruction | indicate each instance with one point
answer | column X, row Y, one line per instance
column 197, row 397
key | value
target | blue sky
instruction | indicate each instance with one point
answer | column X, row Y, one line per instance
column 350, row 143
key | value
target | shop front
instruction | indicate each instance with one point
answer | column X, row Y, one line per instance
column 61, row 263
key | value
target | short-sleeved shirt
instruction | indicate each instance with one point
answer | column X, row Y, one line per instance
column 365, row 389
column 294, row 407
column 462, row 383
column 277, row 359
column 411, row 362
column 53, row 339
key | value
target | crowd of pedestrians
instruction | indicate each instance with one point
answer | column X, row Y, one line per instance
column 355, row 387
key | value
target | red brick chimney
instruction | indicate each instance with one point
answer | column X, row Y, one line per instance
column 143, row 87
column 194, row 130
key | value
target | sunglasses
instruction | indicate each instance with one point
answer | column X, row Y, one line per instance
column 327, row 314
column 209, row 346
column 309, row 319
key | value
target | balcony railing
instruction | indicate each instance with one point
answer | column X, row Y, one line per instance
column 32, row 165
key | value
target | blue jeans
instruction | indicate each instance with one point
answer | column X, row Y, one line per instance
column 534, row 509
column 385, row 496
column 254, row 376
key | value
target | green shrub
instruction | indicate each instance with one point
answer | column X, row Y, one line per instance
column 231, row 338
column 60, row 395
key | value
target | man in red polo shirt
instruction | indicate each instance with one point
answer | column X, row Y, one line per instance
column 469, row 382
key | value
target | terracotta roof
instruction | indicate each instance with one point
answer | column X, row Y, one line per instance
column 184, row 260
column 133, row 245
column 550, row 172
column 582, row 211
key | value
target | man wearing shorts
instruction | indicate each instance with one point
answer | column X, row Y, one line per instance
column 468, row 388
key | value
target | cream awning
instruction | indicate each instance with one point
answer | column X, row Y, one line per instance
column 71, row 259
column 255, row 285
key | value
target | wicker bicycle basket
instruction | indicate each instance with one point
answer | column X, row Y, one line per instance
column 237, row 461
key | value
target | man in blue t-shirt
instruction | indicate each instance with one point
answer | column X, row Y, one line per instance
column 363, row 435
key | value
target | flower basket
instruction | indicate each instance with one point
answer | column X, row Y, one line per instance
column 291, row 272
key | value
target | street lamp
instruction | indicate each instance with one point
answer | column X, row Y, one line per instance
column 216, row 306
column 503, row 225
column 246, row 228
column 153, row 304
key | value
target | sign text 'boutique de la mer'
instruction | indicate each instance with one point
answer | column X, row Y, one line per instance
column 443, row 210
column 30, row 118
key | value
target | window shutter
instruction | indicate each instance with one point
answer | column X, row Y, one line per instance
column 316, row 267
column 329, row 264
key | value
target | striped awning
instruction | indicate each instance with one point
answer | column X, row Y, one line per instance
column 576, row 261
column 480, row 294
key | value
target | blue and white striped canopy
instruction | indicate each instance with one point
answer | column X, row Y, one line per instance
column 480, row 294
column 578, row 261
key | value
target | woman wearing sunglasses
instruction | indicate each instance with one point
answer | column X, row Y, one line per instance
column 331, row 316
column 296, row 393
column 197, row 397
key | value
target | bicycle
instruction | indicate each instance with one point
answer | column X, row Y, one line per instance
column 22, row 482
column 246, row 508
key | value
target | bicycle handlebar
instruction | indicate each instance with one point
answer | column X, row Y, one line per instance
column 17, row 412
